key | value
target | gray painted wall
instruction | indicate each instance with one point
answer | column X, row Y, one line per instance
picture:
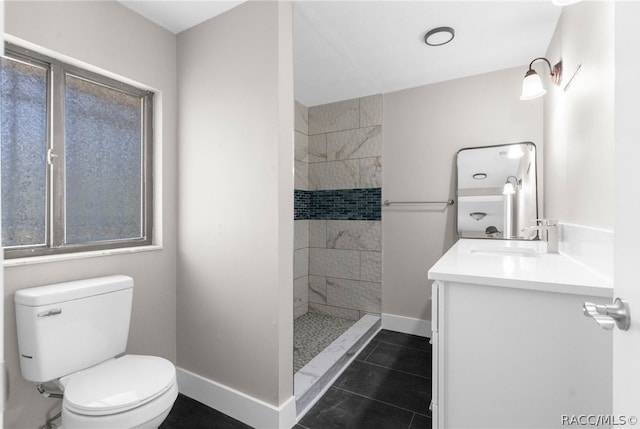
column 235, row 255
column 423, row 128
column 111, row 37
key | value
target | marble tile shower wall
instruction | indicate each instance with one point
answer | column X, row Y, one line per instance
column 341, row 150
column 301, row 225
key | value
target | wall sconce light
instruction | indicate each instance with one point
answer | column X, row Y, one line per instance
column 532, row 85
column 509, row 187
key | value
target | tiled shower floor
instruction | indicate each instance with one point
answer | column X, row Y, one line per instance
column 312, row 333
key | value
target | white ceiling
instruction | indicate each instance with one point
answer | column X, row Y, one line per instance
column 179, row 15
column 348, row 49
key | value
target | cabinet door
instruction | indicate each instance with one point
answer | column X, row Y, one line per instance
column 516, row 358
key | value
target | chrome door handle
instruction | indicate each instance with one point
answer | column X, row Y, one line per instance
column 608, row 316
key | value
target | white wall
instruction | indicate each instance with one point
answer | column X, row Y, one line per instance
column 423, row 128
column 111, row 37
column 579, row 123
column 235, row 255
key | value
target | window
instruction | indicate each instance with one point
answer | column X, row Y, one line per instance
column 76, row 158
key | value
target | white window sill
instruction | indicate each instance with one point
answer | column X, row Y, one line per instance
column 32, row 260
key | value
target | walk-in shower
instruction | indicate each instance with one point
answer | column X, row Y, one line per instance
column 338, row 257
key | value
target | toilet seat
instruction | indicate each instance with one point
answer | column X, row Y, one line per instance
column 149, row 415
column 118, row 385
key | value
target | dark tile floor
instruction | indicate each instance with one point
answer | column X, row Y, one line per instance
column 388, row 386
column 188, row 413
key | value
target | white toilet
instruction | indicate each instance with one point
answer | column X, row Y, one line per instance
column 70, row 333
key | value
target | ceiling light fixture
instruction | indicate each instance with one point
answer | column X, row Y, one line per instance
column 480, row 176
column 477, row 215
column 439, row 36
column 532, row 85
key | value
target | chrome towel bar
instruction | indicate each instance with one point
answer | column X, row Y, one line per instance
column 388, row 203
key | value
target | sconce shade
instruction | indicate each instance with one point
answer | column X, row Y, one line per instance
column 515, row 152
column 508, row 189
column 532, row 86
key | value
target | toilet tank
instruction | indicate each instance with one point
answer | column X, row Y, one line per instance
column 66, row 327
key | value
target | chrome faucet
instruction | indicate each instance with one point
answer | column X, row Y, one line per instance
column 548, row 232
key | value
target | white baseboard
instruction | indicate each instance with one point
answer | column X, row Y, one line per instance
column 406, row 325
column 240, row 406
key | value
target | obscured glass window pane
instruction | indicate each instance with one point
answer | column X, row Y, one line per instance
column 103, row 156
column 24, row 146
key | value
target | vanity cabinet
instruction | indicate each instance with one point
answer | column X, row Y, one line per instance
column 515, row 352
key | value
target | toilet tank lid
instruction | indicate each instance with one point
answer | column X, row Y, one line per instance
column 61, row 292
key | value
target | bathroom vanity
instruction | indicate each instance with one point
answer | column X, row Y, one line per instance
column 511, row 346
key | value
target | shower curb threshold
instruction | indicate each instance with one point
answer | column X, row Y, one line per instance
column 315, row 378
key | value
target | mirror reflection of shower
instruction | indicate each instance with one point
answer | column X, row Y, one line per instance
column 497, row 192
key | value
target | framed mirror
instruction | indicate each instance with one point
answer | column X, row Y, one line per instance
column 497, row 191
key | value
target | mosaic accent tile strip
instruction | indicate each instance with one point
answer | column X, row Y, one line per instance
column 301, row 201
column 338, row 204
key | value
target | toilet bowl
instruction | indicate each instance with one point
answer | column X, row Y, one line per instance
column 128, row 392
column 70, row 334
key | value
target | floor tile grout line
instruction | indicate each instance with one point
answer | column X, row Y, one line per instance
column 393, row 369
column 376, row 400
column 371, row 352
column 413, row 417
column 402, row 345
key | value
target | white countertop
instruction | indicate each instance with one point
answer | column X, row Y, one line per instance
column 520, row 265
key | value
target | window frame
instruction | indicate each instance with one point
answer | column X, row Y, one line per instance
column 55, row 157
